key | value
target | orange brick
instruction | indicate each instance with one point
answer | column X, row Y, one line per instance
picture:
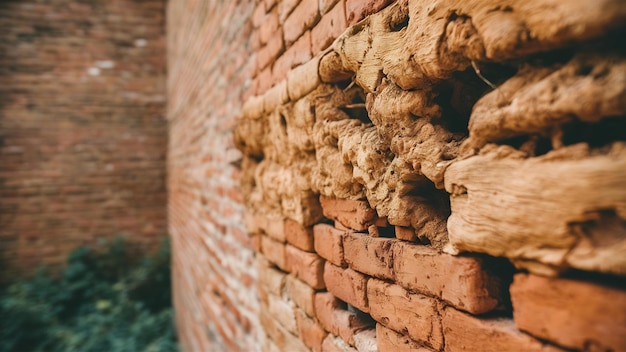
column 299, row 236
column 354, row 214
column 365, row 340
column 268, row 27
column 406, row 233
column 274, row 251
column 284, row 340
column 331, row 25
column 461, row 330
column 258, row 16
column 326, row 5
column 357, row 10
column 335, row 344
column 303, row 17
column 415, row 314
column 369, row 255
column 283, row 312
column 284, row 9
column 271, row 278
column 337, row 320
column 311, row 332
column 302, row 294
column 329, row 243
column 390, row 341
column 298, row 53
column 308, row 267
column 347, row 284
column 461, row 281
column 268, row 53
column 575, row 314
column 264, row 80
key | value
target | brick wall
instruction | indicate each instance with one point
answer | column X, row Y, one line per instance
column 414, row 175
column 82, row 128
column 210, row 59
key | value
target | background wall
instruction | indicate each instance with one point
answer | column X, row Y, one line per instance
column 210, row 61
column 82, row 128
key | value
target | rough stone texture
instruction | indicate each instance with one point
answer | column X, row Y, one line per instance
column 82, row 128
column 391, row 341
column 571, row 313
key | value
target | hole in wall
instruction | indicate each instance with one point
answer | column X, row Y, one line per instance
column 597, row 134
column 356, row 108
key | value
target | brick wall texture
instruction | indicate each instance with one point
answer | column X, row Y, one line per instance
column 82, row 127
column 351, row 175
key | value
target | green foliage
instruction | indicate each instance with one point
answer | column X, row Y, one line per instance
column 102, row 301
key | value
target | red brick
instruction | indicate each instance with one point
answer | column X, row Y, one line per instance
column 303, row 17
column 330, row 27
column 369, row 255
column 347, row 284
column 298, row 53
column 268, row 53
column 461, row 330
column 269, row 26
column 269, row 4
column 397, row 309
column 311, row 332
column 357, row 10
column 461, row 281
column 273, row 279
column 273, row 227
column 573, row 314
column 335, row 344
column 308, row 267
column 302, row 294
column 390, row 341
column 264, row 80
column 258, row 16
column 354, row 214
column 274, row 252
column 365, row 340
column 329, row 243
column 326, row 5
column 284, row 340
column 337, row 320
column 406, row 233
column 283, row 312
column 285, row 7
column 299, row 236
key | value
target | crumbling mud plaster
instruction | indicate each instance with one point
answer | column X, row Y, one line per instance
column 487, row 126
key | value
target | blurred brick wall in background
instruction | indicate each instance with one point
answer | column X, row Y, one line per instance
column 82, row 128
column 210, row 60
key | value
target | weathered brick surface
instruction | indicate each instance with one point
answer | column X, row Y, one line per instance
column 302, row 294
column 357, row 10
column 460, row 281
column 347, row 285
column 336, row 319
column 304, row 16
column 371, row 256
column 82, row 128
column 402, row 311
column 497, row 334
column 331, row 25
column 329, row 243
column 354, row 214
column 308, row 267
column 274, row 251
column 311, row 332
column 570, row 313
column 299, row 236
column 335, row 344
column 391, row 341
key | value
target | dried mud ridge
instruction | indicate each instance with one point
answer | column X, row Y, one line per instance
column 402, row 112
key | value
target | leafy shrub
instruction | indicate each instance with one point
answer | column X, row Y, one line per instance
column 102, row 301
